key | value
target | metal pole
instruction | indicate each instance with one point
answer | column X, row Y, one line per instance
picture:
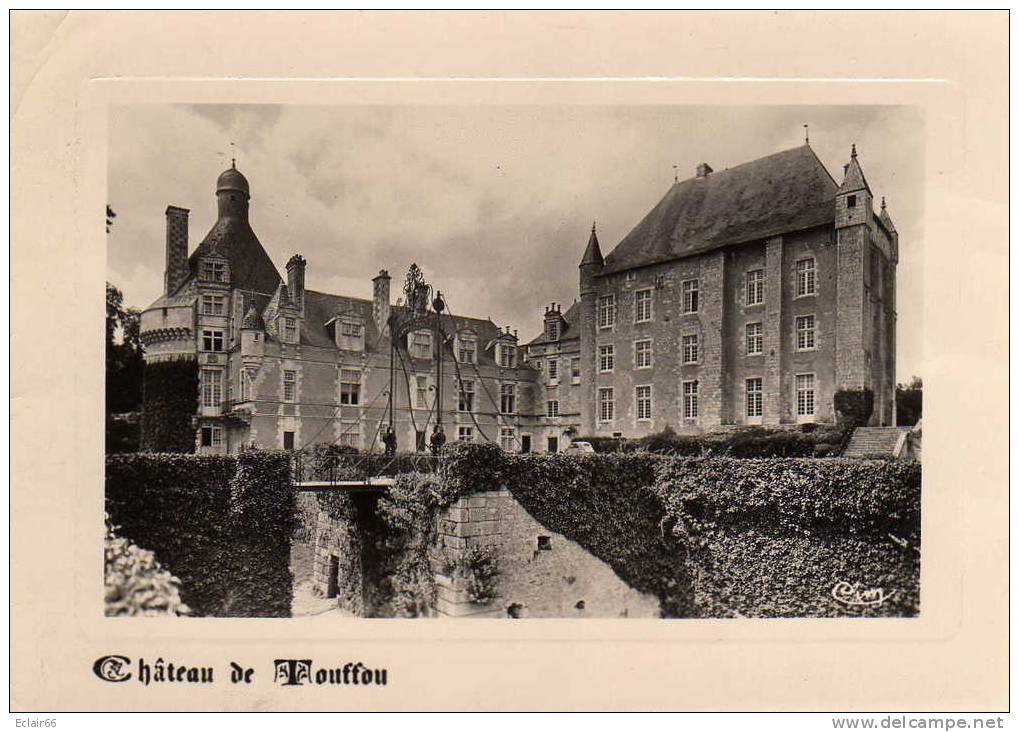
column 438, row 305
column 392, row 370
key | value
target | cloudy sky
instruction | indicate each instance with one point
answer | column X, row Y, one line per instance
column 495, row 203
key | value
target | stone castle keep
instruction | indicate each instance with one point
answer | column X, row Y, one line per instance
column 748, row 296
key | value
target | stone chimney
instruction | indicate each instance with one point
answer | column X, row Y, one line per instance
column 295, row 280
column 704, row 170
column 380, row 300
column 176, row 248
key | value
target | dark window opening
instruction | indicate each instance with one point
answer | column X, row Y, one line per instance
column 553, row 444
column 525, row 443
column 545, row 543
column 851, row 202
column 288, row 440
column 206, row 436
column 333, row 587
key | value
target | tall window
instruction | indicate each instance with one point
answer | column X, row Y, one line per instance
column 290, row 330
column 691, row 349
column 755, row 287
column 642, row 354
column 421, row 392
column 507, row 398
column 213, row 271
column 755, row 339
column 642, row 305
column 212, row 436
column 212, row 387
column 691, row 296
column 350, row 387
column 507, row 356
column 507, row 438
column 552, row 330
column 575, row 369
column 606, row 358
column 553, row 369
column 213, row 304
column 421, row 344
column 465, row 403
column 468, row 349
column 606, row 404
column 606, row 311
column 804, row 395
column 691, row 405
column 212, row 339
column 643, row 394
column 465, row 433
column 755, row 398
column 806, row 280
column 805, row 332
column 247, row 385
column 552, row 408
column 289, row 386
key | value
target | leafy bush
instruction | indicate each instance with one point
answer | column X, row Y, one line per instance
column 169, row 404
column 777, row 537
column 745, row 442
column 221, row 524
column 478, row 570
column 854, row 406
column 136, row 584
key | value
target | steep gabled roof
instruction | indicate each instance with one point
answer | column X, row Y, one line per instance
column 250, row 266
column 788, row 191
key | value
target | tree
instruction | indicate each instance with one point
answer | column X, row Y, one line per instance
column 125, row 366
column 909, row 402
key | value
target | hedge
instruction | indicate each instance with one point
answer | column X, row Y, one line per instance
column 783, row 538
column 169, row 404
column 221, row 524
column 745, row 442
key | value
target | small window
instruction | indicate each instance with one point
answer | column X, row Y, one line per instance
column 755, row 287
column 465, row 434
column 289, row 386
column 642, row 306
column 804, row 395
column 350, row 387
column 544, row 543
column 467, row 351
column 575, row 370
column 552, row 330
column 507, row 439
column 212, row 340
column 552, row 408
column 421, row 344
column 755, row 339
column 553, row 369
column 606, row 311
column 290, row 330
column 643, row 395
column 851, row 202
column 212, row 388
column 806, row 280
column 213, row 304
column 755, row 398
column 213, row 271
column 211, row 436
column 606, row 404
column 691, row 405
column 351, row 329
column 642, row 354
column 350, row 436
column 247, row 385
column 805, row 336
column 691, row 296
column 421, row 392
column 466, row 396
column 606, row 358
column 507, row 356
column 507, row 398
column 691, row 349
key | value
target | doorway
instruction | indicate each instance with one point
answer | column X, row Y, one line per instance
column 525, row 443
column 333, row 582
column 553, row 444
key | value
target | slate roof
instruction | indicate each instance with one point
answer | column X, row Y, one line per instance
column 788, row 191
column 250, row 266
column 571, row 317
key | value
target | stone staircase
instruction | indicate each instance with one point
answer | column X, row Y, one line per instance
column 874, row 441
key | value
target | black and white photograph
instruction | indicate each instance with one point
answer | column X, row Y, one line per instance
column 475, row 362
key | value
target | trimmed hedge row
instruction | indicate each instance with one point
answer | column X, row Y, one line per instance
column 221, row 524
column 723, row 537
column 746, row 442
column 169, row 403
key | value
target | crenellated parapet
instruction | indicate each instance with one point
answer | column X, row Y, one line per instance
column 164, row 335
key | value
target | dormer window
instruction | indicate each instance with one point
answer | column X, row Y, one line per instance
column 552, row 330
column 419, row 343
column 350, row 334
column 290, row 330
column 467, row 349
column 213, row 270
column 507, row 356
